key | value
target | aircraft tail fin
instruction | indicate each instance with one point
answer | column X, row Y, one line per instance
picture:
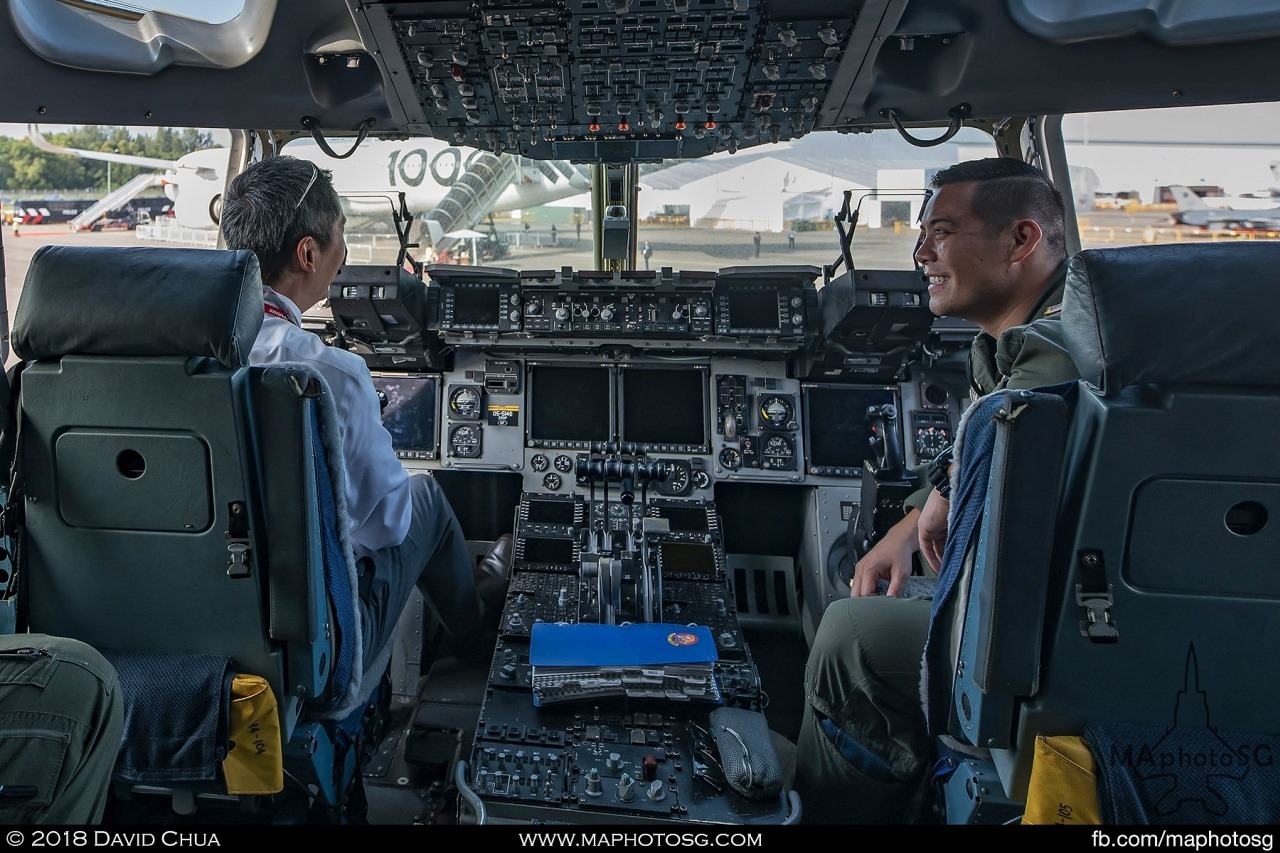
column 1186, row 199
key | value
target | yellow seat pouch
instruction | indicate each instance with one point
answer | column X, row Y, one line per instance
column 1064, row 783
column 255, row 761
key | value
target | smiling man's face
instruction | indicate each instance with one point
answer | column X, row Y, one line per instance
column 966, row 262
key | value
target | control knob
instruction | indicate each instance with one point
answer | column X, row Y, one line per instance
column 562, row 313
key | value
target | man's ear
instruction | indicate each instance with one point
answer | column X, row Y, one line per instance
column 1026, row 236
column 304, row 253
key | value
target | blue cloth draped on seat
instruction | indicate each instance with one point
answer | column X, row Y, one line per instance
column 176, row 715
column 1185, row 775
column 975, row 442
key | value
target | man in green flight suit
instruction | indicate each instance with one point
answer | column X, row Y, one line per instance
column 993, row 249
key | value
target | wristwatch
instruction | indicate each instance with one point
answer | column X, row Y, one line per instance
column 940, row 473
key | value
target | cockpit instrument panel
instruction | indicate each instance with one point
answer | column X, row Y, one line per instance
column 776, row 302
column 838, row 433
column 774, row 307
column 410, row 413
column 571, row 405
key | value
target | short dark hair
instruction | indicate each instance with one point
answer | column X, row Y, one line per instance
column 1009, row 189
column 276, row 202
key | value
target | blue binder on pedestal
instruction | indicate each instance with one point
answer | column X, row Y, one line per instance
column 641, row 660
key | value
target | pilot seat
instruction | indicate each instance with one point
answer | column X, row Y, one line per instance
column 1120, row 588
column 183, row 512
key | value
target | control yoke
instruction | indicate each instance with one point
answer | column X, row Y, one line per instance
column 886, row 441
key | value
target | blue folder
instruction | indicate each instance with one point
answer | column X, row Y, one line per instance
column 642, row 643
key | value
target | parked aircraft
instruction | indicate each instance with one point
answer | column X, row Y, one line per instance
column 1196, row 211
column 1272, row 192
column 425, row 170
column 708, row 446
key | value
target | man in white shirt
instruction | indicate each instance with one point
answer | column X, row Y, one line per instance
column 286, row 211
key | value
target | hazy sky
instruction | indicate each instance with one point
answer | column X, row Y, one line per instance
column 213, row 11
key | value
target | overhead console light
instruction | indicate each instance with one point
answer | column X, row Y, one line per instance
column 98, row 36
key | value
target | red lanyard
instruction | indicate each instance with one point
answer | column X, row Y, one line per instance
column 276, row 311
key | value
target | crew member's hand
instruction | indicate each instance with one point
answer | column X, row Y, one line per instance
column 889, row 559
column 932, row 529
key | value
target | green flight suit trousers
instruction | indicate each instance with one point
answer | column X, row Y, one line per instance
column 863, row 754
column 61, row 720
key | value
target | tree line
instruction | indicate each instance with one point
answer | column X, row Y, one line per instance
column 24, row 166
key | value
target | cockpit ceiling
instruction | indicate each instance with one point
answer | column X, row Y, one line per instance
column 618, row 80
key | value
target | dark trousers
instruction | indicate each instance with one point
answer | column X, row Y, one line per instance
column 435, row 557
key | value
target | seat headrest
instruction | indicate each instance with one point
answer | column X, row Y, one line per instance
column 139, row 301
column 1180, row 314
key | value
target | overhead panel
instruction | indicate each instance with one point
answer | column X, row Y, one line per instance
column 613, row 80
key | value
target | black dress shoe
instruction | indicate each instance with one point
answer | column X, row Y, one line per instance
column 493, row 573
